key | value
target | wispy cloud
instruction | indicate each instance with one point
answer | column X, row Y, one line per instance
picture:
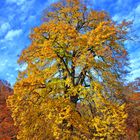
column 131, row 14
column 17, row 19
column 18, row 2
column 4, row 27
column 12, row 34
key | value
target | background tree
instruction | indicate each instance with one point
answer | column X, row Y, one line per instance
column 131, row 97
column 76, row 55
column 7, row 129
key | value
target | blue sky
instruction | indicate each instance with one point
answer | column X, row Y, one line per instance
column 18, row 17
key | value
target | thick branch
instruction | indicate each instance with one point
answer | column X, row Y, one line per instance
column 61, row 58
column 73, row 69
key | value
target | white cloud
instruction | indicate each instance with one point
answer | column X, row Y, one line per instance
column 137, row 10
column 116, row 18
column 3, row 63
column 4, row 27
column 18, row 2
column 134, row 64
column 12, row 33
column 135, row 60
column 134, row 14
column 134, row 74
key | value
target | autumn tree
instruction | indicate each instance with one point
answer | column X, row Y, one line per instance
column 131, row 97
column 7, row 129
column 76, row 56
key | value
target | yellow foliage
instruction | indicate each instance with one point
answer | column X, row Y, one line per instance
column 66, row 91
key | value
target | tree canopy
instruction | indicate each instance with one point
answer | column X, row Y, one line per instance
column 7, row 128
column 131, row 97
column 76, row 65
